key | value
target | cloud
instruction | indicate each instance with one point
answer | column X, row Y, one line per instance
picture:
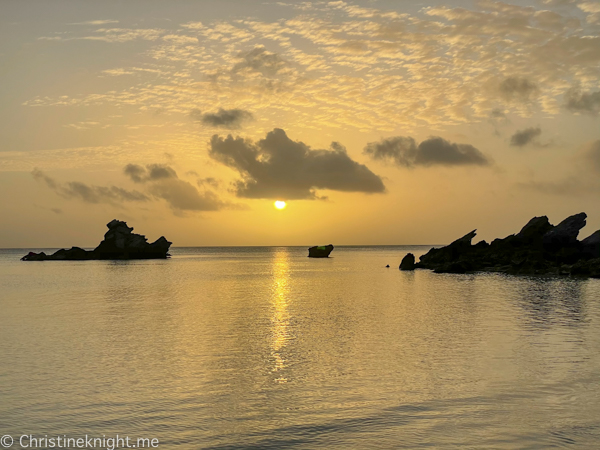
column 585, row 102
column 279, row 168
column 89, row 194
column 527, row 136
column 259, row 60
column 224, row 118
column 180, row 195
column 519, row 89
column 498, row 113
column 95, row 22
column 210, row 181
column 404, row 151
column 151, row 172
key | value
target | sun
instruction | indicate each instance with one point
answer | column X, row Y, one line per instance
column 280, row 204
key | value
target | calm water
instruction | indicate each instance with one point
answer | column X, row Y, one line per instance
column 265, row 348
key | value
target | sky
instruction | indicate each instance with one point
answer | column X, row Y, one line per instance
column 377, row 122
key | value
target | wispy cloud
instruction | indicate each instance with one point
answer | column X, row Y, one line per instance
column 162, row 182
column 96, row 22
column 89, row 193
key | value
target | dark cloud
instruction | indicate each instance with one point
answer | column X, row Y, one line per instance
column 519, row 89
column 227, row 118
column 585, row 102
column 151, row 172
column 259, row 60
column 278, row 167
column 404, row 151
column 497, row 113
column 164, row 183
column 90, row 194
column 524, row 137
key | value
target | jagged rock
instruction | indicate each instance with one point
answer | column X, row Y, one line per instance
column 119, row 243
column 590, row 246
column 539, row 248
column 565, row 233
column 408, row 262
column 32, row 256
column 320, row 251
column 450, row 253
column 534, row 231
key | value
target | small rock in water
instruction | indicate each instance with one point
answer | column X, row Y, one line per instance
column 321, row 251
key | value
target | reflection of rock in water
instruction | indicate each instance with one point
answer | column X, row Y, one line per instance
column 538, row 249
column 119, row 243
column 552, row 303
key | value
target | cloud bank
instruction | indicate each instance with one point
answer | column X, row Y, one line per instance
column 162, row 182
column 404, row 151
column 90, row 194
column 277, row 167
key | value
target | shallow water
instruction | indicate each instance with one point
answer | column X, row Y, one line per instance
column 265, row 348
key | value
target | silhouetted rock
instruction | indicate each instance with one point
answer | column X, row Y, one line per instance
column 450, row 253
column 119, row 243
column 320, row 251
column 590, row 246
column 565, row 233
column 408, row 262
column 539, row 248
column 586, row 268
column 534, row 231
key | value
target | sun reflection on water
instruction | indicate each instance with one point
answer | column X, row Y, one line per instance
column 280, row 318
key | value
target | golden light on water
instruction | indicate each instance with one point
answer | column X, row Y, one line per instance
column 280, row 204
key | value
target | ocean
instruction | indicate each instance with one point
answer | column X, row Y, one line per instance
column 264, row 348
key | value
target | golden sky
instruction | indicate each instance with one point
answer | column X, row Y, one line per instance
column 379, row 122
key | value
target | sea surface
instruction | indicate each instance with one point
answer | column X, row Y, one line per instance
column 264, row 348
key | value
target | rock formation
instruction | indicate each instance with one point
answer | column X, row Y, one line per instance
column 320, row 251
column 408, row 262
column 539, row 248
column 119, row 243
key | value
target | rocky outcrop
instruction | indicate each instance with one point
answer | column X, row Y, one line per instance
column 408, row 262
column 539, row 248
column 590, row 246
column 565, row 233
column 119, row 243
column 320, row 251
